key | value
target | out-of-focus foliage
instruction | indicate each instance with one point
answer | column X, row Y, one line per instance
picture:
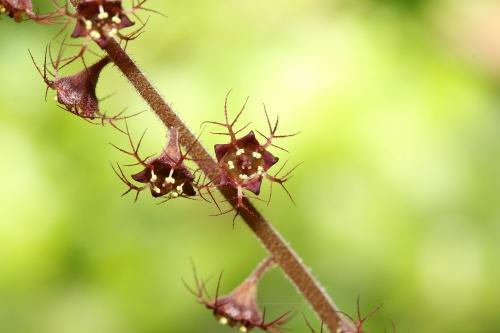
column 398, row 197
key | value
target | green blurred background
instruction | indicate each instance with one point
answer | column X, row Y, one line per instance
column 398, row 197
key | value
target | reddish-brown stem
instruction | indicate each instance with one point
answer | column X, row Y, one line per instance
column 281, row 252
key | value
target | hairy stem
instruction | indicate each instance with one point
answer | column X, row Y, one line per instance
column 281, row 252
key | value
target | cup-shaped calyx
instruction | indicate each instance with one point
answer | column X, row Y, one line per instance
column 77, row 92
column 165, row 175
column 239, row 309
column 243, row 161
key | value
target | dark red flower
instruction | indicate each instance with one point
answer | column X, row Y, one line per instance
column 164, row 175
column 100, row 20
column 244, row 162
column 239, row 309
column 77, row 92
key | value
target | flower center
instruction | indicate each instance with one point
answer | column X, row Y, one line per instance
column 243, row 164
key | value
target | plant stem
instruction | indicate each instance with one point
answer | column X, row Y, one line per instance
column 281, row 252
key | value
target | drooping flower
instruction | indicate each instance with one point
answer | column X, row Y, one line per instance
column 239, row 309
column 76, row 92
column 165, row 175
column 100, row 20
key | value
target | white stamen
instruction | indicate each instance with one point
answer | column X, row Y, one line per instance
column 113, row 32
column 88, row 24
column 243, row 329
column 240, row 151
column 231, row 165
column 256, row 154
column 180, row 188
column 223, row 320
column 153, row 176
column 174, row 194
column 102, row 14
column 156, row 189
column 95, row 34
column 243, row 176
column 169, row 180
column 116, row 19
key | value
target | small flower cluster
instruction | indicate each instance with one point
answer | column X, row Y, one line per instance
column 239, row 309
column 243, row 163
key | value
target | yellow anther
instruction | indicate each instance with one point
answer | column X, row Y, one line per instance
column 102, row 14
column 256, row 154
column 153, row 176
column 180, row 188
column 169, row 180
column 223, row 320
column 95, row 34
column 88, row 24
column 156, row 189
column 174, row 194
column 230, row 164
column 116, row 19
column 240, row 151
column 243, row 329
column 113, row 32
column 243, row 176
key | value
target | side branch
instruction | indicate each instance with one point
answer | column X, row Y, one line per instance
column 282, row 254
